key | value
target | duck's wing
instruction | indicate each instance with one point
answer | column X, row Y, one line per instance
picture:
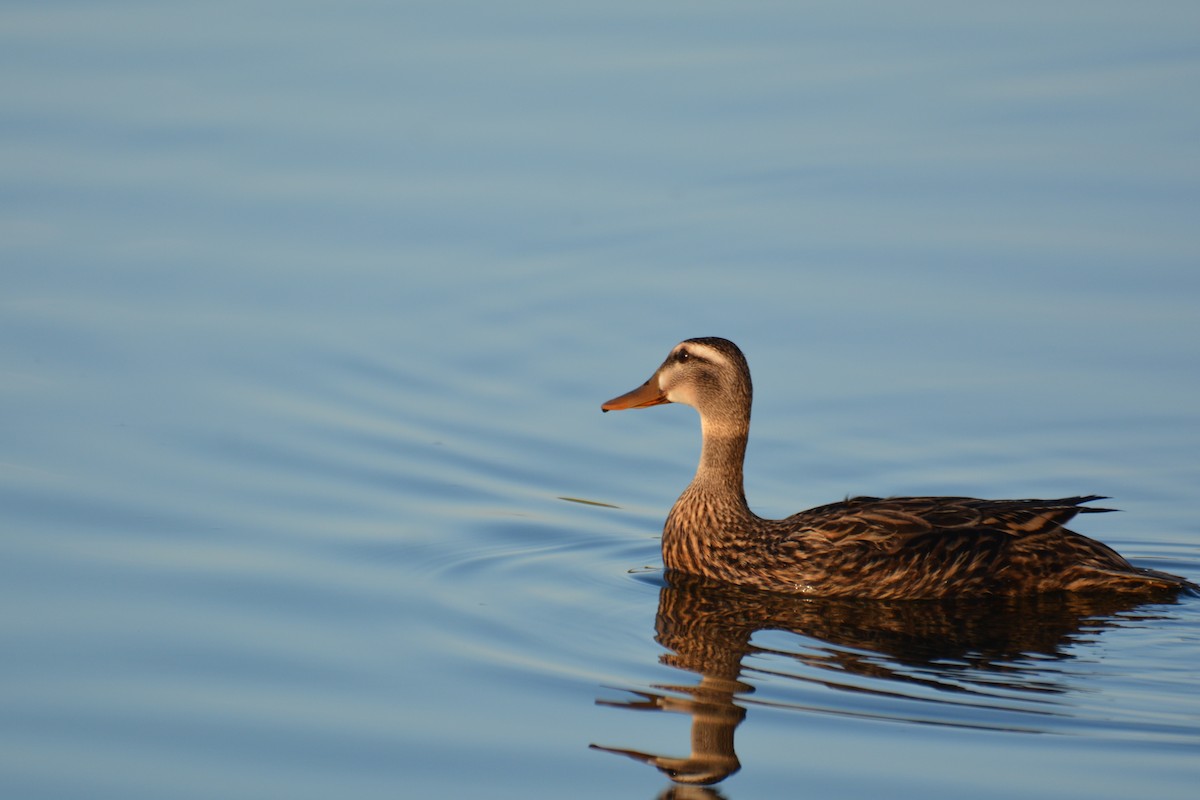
column 936, row 546
column 898, row 523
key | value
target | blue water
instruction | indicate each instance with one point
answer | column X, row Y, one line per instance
column 306, row 313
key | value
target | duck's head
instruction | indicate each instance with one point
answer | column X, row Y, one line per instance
column 710, row 374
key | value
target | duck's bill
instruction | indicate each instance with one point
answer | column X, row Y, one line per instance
column 646, row 395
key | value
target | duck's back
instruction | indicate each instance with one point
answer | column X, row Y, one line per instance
column 924, row 547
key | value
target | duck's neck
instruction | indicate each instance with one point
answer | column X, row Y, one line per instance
column 719, row 477
column 703, row 532
column 722, row 456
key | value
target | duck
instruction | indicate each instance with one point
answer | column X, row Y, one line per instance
column 888, row 548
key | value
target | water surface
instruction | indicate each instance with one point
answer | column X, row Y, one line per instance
column 307, row 314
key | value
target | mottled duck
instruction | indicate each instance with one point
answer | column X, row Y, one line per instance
column 888, row 548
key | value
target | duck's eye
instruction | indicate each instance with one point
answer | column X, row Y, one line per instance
column 682, row 355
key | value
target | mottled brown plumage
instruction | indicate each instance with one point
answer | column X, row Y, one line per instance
column 895, row 548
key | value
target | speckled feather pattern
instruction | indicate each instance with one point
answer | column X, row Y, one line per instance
column 902, row 547
column 885, row 548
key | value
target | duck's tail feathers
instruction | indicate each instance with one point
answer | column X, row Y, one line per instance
column 1138, row 580
column 1087, row 498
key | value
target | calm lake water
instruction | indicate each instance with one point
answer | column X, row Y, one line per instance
column 307, row 311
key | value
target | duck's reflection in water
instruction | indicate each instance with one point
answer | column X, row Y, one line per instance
column 992, row 654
